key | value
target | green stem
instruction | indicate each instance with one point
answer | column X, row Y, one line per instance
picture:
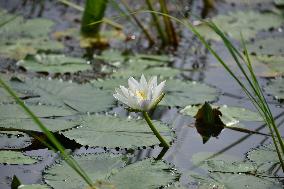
column 155, row 131
column 157, row 23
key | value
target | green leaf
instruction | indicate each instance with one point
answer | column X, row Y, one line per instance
column 268, row 46
column 263, row 154
column 230, row 115
column 14, row 140
column 54, row 63
column 97, row 167
column 14, row 111
column 180, row 93
column 53, row 125
column 83, row 98
column 108, row 131
column 12, row 157
column 112, row 169
column 276, row 88
column 247, row 23
column 148, row 174
column 274, row 63
column 235, row 181
column 21, row 37
column 15, row 182
column 279, row 2
column 33, row 186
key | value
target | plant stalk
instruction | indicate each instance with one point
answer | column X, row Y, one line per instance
column 145, row 31
column 155, row 131
column 157, row 23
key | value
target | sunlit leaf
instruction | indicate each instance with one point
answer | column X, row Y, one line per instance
column 53, row 63
column 108, row 131
column 247, row 23
column 12, row 157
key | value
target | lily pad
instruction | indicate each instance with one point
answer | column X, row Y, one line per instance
column 111, row 132
column 263, row 154
column 276, row 88
column 111, row 168
column 33, row 186
column 249, row 23
column 54, row 63
column 230, row 115
column 12, row 157
column 148, row 174
column 269, row 46
column 14, row 111
column 235, row 181
column 97, row 167
column 274, row 63
column 21, row 37
column 83, row 98
column 28, row 124
column 14, row 140
column 179, row 93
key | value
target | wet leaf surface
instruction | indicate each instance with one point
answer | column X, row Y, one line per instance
column 13, row 157
column 54, row 63
column 111, row 132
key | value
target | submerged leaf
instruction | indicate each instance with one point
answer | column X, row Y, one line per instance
column 108, row 131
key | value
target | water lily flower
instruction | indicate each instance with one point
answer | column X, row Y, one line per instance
column 141, row 96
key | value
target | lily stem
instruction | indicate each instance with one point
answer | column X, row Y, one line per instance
column 155, row 131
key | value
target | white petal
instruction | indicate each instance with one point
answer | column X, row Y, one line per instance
column 133, row 84
column 124, row 91
column 152, row 82
column 158, row 90
column 121, row 99
column 143, row 82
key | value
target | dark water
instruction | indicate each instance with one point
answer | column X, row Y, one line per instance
column 188, row 141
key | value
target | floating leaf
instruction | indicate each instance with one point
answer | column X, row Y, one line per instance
column 20, row 37
column 110, row 168
column 247, row 23
column 84, row 98
column 14, row 140
column 279, row 2
column 230, row 115
column 235, row 181
column 269, row 46
column 180, row 93
column 14, row 111
column 28, row 124
column 276, row 88
column 264, row 154
column 108, row 131
column 109, row 84
column 54, row 63
column 274, row 63
column 33, row 186
column 148, row 174
column 12, row 157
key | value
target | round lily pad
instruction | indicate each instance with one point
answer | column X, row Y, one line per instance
column 12, row 157
column 109, row 131
column 249, row 23
column 179, row 93
column 54, row 63
column 14, row 140
column 272, row 46
column 276, row 88
column 230, row 115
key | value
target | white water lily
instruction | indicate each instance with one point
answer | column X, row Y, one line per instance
column 142, row 95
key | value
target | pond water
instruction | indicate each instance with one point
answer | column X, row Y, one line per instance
column 190, row 57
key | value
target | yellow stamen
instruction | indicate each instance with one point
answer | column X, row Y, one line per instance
column 141, row 95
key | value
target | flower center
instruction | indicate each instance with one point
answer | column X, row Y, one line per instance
column 141, row 95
